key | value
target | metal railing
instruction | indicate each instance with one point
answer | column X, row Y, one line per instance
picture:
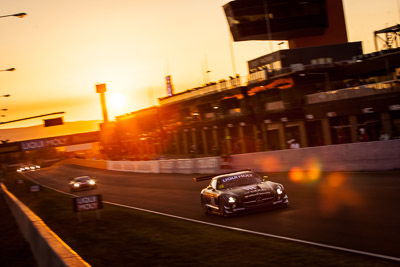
column 353, row 92
column 206, row 90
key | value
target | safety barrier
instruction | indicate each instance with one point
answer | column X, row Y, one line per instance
column 167, row 166
column 47, row 248
column 150, row 166
column 189, row 166
column 366, row 156
column 208, row 165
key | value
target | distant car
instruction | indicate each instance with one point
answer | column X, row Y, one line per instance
column 240, row 191
column 27, row 168
column 82, row 183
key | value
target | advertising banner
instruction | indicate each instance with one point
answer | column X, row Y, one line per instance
column 167, row 166
column 150, row 166
column 208, row 165
column 87, row 203
column 185, row 166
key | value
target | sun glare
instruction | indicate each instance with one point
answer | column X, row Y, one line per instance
column 117, row 100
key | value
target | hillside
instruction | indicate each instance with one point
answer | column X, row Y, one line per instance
column 39, row 131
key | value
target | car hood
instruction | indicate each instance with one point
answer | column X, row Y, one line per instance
column 249, row 190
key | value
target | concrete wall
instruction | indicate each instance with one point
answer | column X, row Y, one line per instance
column 367, row 156
column 47, row 248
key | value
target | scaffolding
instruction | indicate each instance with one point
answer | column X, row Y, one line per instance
column 387, row 38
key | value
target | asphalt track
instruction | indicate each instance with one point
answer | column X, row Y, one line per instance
column 353, row 211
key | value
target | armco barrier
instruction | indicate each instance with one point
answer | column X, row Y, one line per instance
column 47, row 248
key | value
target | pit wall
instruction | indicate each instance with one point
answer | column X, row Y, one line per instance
column 47, row 248
column 367, row 156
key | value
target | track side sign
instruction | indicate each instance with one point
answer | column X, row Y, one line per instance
column 87, row 203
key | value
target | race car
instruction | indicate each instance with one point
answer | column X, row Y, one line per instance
column 82, row 183
column 26, row 168
column 240, row 191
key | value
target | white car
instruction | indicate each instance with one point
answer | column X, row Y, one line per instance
column 82, row 183
column 27, row 168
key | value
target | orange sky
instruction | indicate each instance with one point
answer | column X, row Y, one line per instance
column 63, row 48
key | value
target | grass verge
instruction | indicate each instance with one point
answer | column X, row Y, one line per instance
column 126, row 237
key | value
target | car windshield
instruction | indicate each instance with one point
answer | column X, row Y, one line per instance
column 241, row 179
column 82, row 179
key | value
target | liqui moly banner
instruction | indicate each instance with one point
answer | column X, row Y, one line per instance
column 43, row 143
column 65, row 140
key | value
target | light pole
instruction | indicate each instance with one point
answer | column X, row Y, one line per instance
column 208, row 76
column 19, row 15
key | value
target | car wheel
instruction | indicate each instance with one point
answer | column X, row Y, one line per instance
column 203, row 206
column 222, row 209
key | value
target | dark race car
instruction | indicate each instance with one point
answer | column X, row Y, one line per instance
column 240, row 191
column 82, row 183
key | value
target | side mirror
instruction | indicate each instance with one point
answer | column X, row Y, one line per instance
column 265, row 178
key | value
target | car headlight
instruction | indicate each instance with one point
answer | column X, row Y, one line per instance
column 279, row 190
column 231, row 200
column 76, row 185
column 91, row 182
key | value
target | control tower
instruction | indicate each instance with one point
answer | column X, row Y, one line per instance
column 303, row 23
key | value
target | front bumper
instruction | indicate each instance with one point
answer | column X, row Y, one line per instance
column 262, row 204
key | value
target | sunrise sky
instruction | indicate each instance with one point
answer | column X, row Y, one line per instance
column 61, row 49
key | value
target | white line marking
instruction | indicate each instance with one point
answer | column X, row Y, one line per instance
column 260, row 233
column 240, row 229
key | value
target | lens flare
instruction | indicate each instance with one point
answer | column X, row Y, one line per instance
column 336, row 180
column 314, row 174
column 310, row 172
column 296, row 175
column 336, row 193
column 314, row 169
